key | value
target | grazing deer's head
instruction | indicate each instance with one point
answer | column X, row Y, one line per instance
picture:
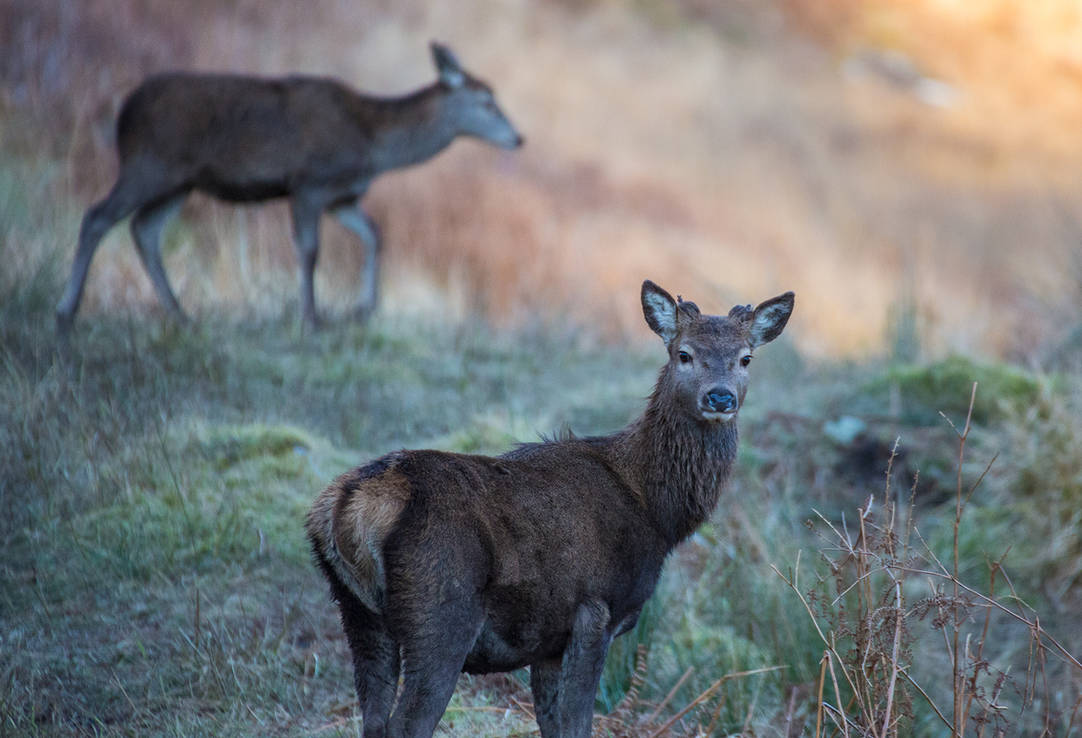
column 707, row 374
column 475, row 112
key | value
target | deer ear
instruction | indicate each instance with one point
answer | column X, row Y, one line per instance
column 770, row 317
column 660, row 311
column 447, row 65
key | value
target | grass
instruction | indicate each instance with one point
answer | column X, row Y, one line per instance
column 869, row 629
column 154, row 579
column 155, row 478
column 154, row 562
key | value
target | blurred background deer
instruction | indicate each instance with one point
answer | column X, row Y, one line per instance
column 248, row 139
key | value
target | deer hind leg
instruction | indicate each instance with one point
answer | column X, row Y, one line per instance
column 360, row 224
column 376, row 661
column 431, row 670
column 306, row 238
column 146, row 230
column 376, row 664
column 127, row 195
column 435, row 643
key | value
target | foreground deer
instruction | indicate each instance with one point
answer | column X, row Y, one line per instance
column 443, row 563
column 246, row 139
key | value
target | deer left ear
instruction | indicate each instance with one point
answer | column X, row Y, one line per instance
column 770, row 317
column 447, row 65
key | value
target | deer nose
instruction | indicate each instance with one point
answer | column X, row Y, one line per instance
column 719, row 400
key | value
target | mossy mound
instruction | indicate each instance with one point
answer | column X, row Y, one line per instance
column 232, row 445
column 946, row 386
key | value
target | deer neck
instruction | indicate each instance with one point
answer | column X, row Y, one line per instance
column 678, row 464
column 411, row 129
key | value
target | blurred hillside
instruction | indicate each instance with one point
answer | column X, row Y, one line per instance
column 910, row 169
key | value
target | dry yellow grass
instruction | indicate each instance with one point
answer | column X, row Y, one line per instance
column 1018, row 66
column 720, row 154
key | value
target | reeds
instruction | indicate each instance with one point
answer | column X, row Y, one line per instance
column 886, row 579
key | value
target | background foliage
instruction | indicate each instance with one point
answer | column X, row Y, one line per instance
column 153, row 574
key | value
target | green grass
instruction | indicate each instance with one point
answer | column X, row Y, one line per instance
column 154, row 479
column 156, row 577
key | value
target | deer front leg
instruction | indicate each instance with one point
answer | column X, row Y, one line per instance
column 545, row 685
column 580, row 670
column 357, row 222
column 306, row 238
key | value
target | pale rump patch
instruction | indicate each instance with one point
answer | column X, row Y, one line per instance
column 350, row 521
column 363, row 520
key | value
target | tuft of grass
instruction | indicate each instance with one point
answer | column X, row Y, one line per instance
column 879, row 676
column 918, row 393
column 227, row 446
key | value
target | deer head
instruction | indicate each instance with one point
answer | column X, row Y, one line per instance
column 706, row 377
column 471, row 104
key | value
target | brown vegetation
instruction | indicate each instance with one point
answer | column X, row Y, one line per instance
column 711, row 147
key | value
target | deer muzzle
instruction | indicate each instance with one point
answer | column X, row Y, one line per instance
column 719, row 404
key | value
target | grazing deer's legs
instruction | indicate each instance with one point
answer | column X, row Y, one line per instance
column 146, row 230
column 121, row 201
column 545, row 685
column 306, row 238
column 358, row 222
column 580, row 672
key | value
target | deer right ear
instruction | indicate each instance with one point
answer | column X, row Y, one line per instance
column 660, row 311
column 447, row 65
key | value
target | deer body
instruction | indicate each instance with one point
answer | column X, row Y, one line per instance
column 246, row 139
column 443, row 563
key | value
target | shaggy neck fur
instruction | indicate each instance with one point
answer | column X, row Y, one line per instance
column 677, row 463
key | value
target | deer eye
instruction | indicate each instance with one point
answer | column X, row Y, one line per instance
column 745, row 359
column 685, row 357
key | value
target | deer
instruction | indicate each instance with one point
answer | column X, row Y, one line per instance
column 250, row 139
column 442, row 563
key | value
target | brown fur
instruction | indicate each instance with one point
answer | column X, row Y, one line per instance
column 351, row 519
column 541, row 556
column 248, row 139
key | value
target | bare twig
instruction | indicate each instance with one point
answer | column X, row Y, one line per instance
column 958, row 687
column 990, row 602
column 838, row 693
column 1074, row 714
column 670, row 695
column 894, row 656
column 819, row 701
column 705, row 694
column 927, row 698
